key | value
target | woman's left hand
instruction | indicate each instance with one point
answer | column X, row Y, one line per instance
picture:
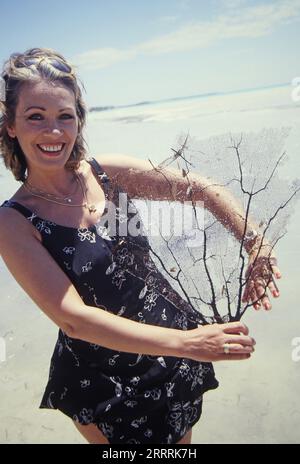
column 260, row 277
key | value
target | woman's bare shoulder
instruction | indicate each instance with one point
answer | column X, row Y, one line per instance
column 114, row 163
column 12, row 221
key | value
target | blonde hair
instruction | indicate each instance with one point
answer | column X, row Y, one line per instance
column 32, row 66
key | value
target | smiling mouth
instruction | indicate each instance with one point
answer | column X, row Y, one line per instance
column 51, row 149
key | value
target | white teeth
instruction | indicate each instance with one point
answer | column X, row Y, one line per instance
column 51, row 147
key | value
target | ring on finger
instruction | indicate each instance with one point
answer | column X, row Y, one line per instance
column 226, row 348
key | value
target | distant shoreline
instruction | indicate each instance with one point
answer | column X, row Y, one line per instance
column 190, row 97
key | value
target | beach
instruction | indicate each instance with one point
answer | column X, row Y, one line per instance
column 257, row 400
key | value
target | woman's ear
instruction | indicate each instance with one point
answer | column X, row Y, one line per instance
column 11, row 132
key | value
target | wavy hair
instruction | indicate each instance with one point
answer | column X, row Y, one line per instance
column 32, row 66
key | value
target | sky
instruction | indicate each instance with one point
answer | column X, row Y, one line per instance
column 127, row 51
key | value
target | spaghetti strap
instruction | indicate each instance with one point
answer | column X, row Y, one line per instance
column 97, row 167
column 100, row 174
column 14, row 204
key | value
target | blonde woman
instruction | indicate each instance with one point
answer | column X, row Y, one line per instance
column 132, row 360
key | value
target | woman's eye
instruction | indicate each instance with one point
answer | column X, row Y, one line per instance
column 33, row 116
column 69, row 116
column 37, row 116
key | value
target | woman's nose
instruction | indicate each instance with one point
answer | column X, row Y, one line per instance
column 53, row 133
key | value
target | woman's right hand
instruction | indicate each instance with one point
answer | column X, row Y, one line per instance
column 206, row 343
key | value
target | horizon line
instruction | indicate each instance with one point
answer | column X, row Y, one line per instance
column 203, row 95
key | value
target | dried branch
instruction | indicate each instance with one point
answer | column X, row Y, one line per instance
column 202, row 264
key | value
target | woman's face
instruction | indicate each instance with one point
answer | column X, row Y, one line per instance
column 46, row 124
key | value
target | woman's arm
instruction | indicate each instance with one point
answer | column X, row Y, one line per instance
column 143, row 180
column 50, row 288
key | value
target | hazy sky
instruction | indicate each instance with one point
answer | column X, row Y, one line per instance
column 135, row 50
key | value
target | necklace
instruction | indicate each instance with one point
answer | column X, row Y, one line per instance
column 35, row 190
column 91, row 207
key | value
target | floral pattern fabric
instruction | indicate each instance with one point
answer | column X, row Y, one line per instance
column 131, row 397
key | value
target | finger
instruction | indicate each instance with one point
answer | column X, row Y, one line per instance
column 266, row 302
column 276, row 271
column 235, row 327
column 233, row 357
column 262, row 296
column 241, row 340
column 247, row 292
column 255, row 299
column 245, row 296
column 273, row 289
column 274, row 283
column 261, row 292
column 237, row 348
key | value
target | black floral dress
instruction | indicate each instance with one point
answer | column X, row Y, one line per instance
column 131, row 397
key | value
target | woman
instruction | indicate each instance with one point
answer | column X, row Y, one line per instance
column 131, row 362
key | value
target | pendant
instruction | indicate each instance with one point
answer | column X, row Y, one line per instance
column 92, row 208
